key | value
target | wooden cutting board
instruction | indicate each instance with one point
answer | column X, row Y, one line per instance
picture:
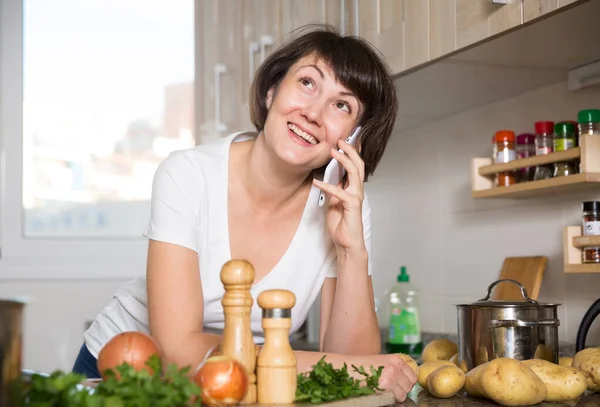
column 528, row 271
column 373, row 400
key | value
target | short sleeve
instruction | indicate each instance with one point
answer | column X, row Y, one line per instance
column 366, row 218
column 176, row 190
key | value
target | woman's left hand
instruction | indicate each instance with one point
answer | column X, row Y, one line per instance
column 344, row 211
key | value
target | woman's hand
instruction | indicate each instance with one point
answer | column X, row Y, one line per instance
column 344, row 211
column 397, row 377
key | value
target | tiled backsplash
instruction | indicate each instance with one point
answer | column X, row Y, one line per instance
column 454, row 246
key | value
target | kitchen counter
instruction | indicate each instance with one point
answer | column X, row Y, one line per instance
column 422, row 398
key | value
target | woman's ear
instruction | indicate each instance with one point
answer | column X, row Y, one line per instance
column 269, row 98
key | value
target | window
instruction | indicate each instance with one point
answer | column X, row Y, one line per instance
column 94, row 95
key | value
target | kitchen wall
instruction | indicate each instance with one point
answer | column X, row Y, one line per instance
column 454, row 246
column 423, row 217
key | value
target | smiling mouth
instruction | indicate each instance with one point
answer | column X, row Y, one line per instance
column 302, row 134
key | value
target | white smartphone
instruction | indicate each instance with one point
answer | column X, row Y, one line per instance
column 334, row 172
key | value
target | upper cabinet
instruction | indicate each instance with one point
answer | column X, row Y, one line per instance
column 234, row 37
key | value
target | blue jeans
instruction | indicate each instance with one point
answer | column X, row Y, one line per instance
column 86, row 364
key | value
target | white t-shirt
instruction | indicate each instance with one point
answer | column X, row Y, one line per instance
column 189, row 208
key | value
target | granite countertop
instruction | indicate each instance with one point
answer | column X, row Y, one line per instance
column 422, row 398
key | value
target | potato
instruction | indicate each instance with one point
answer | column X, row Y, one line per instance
column 410, row 362
column 562, row 383
column 543, row 352
column 462, row 364
column 565, row 361
column 588, row 361
column 511, row 383
column 426, row 368
column 439, row 349
column 473, row 381
column 444, row 382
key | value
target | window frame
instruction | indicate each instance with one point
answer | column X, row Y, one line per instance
column 38, row 257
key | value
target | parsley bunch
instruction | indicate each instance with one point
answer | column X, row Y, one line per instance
column 140, row 389
column 324, row 383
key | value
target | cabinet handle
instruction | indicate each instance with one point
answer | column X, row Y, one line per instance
column 499, row 1
column 265, row 41
column 356, row 18
column 253, row 48
column 219, row 70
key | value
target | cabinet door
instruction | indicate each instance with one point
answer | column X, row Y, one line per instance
column 218, row 67
column 298, row 13
column 536, row 8
column 260, row 35
column 476, row 20
column 381, row 22
column 442, row 27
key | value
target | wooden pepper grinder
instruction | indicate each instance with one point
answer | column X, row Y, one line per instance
column 237, row 277
column 276, row 368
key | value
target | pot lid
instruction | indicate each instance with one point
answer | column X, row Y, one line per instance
column 526, row 303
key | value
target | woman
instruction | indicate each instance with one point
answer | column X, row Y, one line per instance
column 254, row 197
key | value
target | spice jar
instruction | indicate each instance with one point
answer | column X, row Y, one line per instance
column 589, row 121
column 525, row 148
column 564, row 139
column 591, row 227
column 544, row 144
column 505, row 152
column 505, row 146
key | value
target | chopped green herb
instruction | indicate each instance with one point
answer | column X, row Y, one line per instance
column 324, row 383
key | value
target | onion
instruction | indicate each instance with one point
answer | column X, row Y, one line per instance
column 222, row 380
column 133, row 348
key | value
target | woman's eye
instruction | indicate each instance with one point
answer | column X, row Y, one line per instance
column 306, row 81
column 343, row 105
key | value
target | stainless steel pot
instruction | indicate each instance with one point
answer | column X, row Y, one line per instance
column 489, row 329
column 11, row 341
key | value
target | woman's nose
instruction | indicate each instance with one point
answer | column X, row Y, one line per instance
column 313, row 113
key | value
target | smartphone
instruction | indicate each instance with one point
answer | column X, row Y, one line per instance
column 334, row 172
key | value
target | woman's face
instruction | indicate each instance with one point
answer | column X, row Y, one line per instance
column 308, row 113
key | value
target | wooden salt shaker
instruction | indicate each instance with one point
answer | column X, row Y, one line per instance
column 276, row 368
column 237, row 277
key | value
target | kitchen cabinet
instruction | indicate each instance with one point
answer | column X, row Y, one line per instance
column 297, row 13
column 477, row 20
column 416, row 32
column 536, row 8
column 442, row 28
column 381, row 23
column 218, row 66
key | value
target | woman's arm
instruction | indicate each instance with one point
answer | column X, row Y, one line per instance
column 348, row 321
column 176, row 305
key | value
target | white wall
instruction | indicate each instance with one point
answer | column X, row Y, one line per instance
column 454, row 246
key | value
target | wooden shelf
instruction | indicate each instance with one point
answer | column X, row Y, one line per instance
column 560, row 156
column 483, row 173
column 572, row 240
column 583, row 241
column 582, row 268
column 541, row 187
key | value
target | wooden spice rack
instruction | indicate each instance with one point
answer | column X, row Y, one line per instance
column 573, row 242
column 483, row 173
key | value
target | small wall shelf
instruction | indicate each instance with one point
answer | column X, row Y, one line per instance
column 573, row 242
column 483, row 173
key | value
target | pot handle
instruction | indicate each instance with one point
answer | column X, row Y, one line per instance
column 510, row 323
column 523, row 290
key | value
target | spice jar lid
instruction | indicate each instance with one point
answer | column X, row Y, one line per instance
column 564, row 128
column 526, row 138
column 588, row 116
column 504, row 135
column 544, row 127
column 591, row 206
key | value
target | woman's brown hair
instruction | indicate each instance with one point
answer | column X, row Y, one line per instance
column 357, row 65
